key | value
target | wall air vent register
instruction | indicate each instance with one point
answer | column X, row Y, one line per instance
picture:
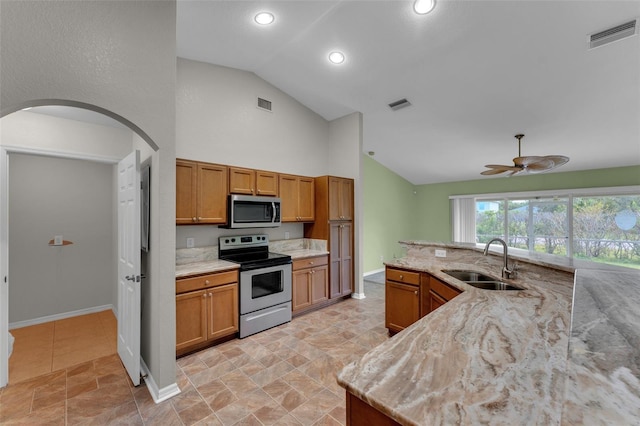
column 616, row 33
column 264, row 104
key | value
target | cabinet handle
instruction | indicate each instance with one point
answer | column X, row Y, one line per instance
column 199, row 218
column 415, row 292
column 206, row 281
column 402, row 277
column 193, row 219
column 204, row 296
column 310, row 263
column 211, row 294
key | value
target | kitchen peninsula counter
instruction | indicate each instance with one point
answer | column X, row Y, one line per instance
column 485, row 357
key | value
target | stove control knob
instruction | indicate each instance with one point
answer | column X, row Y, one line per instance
column 233, row 240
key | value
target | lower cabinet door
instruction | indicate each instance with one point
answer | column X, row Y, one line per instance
column 435, row 301
column 191, row 319
column 300, row 296
column 319, row 284
column 402, row 305
column 223, row 310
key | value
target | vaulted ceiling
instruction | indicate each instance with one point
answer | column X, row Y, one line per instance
column 475, row 72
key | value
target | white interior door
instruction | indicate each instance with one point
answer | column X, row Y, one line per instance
column 129, row 264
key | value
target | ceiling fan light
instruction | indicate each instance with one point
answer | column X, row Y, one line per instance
column 422, row 7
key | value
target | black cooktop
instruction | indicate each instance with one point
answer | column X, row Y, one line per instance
column 251, row 252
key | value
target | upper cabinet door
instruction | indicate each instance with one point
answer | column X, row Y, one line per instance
column 212, row 193
column 186, row 192
column 288, row 198
column 266, row 183
column 340, row 198
column 242, row 181
column 306, row 199
column 297, row 195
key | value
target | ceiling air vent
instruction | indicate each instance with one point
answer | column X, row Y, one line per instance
column 613, row 34
column 264, row 104
column 402, row 103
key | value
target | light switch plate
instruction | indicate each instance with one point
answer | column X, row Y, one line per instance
column 441, row 253
column 190, row 242
column 57, row 240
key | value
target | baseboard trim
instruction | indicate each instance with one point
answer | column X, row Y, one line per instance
column 64, row 315
column 366, row 274
column 157, row 394
column 358, row 296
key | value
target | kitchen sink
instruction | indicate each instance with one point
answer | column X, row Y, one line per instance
column 492, row 285
column 468, row 275
column 480, row 280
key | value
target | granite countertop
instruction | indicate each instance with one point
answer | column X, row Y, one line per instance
column 496, row 357
column 603, row 369
column 204, row 267
column 304, row 253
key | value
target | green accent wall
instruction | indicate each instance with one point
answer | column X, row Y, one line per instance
column 434, row 221
column 388, row 209
column 393, row 212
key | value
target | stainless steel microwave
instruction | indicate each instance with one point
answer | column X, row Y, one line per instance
column 247, row 211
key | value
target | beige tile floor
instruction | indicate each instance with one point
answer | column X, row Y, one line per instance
column 282, row 376
column 43, row 348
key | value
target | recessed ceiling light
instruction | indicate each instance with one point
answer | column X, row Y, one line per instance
column 336, row 57
column 264, row 18
column 422, row 7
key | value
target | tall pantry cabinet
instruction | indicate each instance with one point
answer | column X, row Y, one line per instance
column 334, row 223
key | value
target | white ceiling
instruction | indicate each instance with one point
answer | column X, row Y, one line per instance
column 476, row 73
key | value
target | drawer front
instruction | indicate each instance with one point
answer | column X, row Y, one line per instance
column 402, row 276
column 310, row 262
column 206, row 281
column 443, row 290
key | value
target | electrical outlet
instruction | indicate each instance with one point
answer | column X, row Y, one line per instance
column 190, row 242
column 57, row 240
column 441, row 253
column 286, row 235
column 381, row 258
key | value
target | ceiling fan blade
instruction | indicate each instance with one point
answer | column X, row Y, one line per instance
column 528, row 160
column 558, row 160
column 499, row 168
column 493, row 172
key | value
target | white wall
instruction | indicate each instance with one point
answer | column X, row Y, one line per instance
column 54, row 196
column 47, row 133
column 345, row 153
column 119, row 56
column 217, row 120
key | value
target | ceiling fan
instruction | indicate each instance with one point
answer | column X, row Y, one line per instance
column 527, row 164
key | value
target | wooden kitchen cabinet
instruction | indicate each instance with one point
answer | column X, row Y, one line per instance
column 340, row 197
column 310, row 283
column 253, row 182
column 206, row 310
column 334, row 223
column 297, row 195
column 402, row 299
column 439, row 293
column 359, row 413
column 201, row 193
column 341, row 258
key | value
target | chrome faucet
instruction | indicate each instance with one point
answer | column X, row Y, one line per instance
column 506, row 272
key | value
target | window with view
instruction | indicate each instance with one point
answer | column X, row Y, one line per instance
column 600, row 228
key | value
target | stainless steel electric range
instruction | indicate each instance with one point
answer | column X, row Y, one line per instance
column 265, row 282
